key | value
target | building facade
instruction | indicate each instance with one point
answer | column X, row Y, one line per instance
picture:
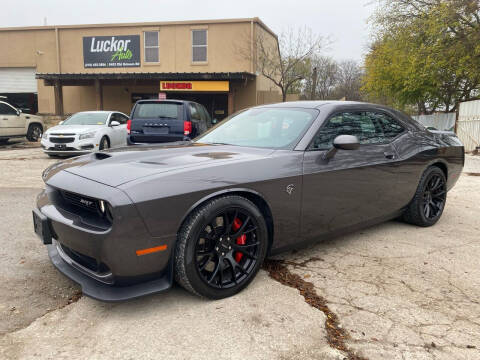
column 58, row 70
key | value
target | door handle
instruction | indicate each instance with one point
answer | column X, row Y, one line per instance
column 389, row 155
column 5, row 119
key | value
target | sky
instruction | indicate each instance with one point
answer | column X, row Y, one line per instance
column 343, row 22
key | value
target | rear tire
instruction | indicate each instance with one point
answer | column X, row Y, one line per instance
column 34, row 133
column 104, row 143
column 207, row 254
column 427, row 205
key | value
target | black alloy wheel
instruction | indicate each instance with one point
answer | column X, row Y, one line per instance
column 227, row 248
column 221, row 247
column 434, row 196
column 427, row 205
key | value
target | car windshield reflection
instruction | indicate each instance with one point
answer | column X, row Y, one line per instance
column 275, row 128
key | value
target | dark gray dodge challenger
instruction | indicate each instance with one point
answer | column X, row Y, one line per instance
column 126, row 223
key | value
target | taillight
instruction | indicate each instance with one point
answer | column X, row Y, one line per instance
column 187, row 127
column 129, row 126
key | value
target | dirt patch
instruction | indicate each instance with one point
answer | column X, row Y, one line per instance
column 302, row 264
column 19, row 144
column 336, row 336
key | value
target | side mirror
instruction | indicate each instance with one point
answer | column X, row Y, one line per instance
column 346, row 142
column 342, row 142
column 60, row 123
column 19, row 111
column 114, row 123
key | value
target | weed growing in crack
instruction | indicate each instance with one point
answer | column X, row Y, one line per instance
column 336, row 336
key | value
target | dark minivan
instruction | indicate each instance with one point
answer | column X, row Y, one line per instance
column 158, row 121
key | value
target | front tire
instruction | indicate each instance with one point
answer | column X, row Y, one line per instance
column 104, row 144
column 34, row 133
column 427, row 205
column 221, row 247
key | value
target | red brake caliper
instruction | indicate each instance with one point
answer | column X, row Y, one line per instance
column 241, row 240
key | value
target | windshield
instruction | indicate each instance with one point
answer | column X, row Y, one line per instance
column 158, row 110
column 275, row 128
column 87, row 118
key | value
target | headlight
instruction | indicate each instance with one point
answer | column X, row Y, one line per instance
column 87, row 135
column 106, row 209
column 45, row 136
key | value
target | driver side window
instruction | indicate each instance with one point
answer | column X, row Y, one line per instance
column 7, row 110
column 347, row 123
column 194, row 112
column 120, row 118
column 361, row 124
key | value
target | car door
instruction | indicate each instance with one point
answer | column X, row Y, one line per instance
column 122, row 129
column 12, row 122
column 353, row 186
column 116, row 133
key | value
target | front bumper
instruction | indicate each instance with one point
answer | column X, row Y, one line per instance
column 76, row 147
column 105, row 292
column 103, row 257
column 139, row 139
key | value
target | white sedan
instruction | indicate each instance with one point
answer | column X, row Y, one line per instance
column 86, row 131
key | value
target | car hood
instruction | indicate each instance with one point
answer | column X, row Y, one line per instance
column 120, row 166
column 30, row 116
column 72, row 129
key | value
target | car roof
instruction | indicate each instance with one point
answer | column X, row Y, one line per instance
column 315, row 104
column 98, row 112
column 164, row 100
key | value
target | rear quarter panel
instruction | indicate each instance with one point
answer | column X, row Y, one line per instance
column 420, row 149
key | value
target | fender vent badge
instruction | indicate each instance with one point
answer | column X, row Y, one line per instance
column 290, row 189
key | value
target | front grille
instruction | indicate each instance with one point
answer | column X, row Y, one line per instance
column 62, row 134
column 63, row 149
column 62, row 140
column 81, row 201
column 86, row 261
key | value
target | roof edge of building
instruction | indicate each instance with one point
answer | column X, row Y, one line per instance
column 147, row 76
column 150, row 23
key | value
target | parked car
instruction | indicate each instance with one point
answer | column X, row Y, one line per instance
column 85, row 132
column 125, row 223
column 14, row 124
column 159, row 121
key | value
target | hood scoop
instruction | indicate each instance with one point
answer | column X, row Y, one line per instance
column 102, row 155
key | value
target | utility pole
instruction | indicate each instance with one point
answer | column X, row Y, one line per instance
column 314, row 83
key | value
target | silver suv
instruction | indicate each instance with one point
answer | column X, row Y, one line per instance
column 14, row 123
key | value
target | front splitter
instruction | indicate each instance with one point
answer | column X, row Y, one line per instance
column 109, row 293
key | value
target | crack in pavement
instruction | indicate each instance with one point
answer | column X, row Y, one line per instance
column 77, row 295
column 336, row 336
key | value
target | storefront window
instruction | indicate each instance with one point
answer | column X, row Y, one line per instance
column 199, row 45
column 151, row 46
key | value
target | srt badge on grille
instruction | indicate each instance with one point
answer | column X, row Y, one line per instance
column 86, row 202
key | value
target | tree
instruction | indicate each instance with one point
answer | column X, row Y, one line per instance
column 349, row 80
column 333, row 80
column 425, row 53
column 326, row 78
column 286, row 63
